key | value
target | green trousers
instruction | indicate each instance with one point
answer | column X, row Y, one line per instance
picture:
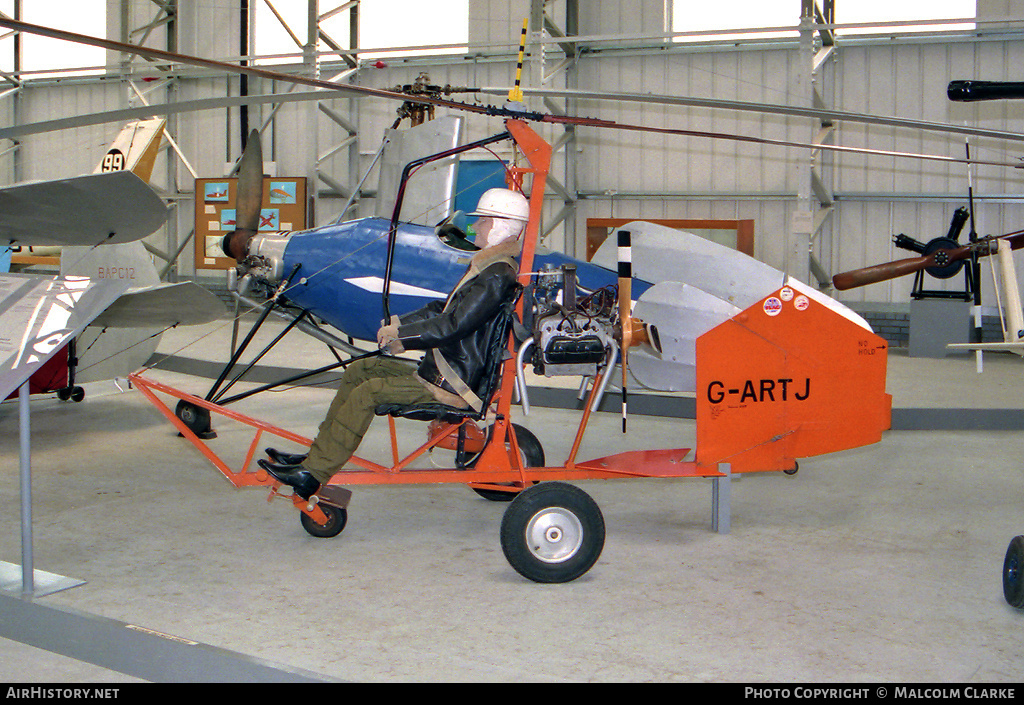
column 365, row 385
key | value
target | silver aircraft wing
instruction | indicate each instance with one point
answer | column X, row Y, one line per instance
column 108, row 207
column 161, row 306
column 39, row 314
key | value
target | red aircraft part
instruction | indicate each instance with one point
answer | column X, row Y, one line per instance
column 788, row 378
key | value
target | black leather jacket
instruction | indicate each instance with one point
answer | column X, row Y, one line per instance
column 461, row 327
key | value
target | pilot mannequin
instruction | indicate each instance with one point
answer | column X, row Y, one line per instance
column 454, row 333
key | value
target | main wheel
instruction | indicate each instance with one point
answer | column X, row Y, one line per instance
column 196, row 418
column 1013, row 573
column 75, row 394
column 531, row 453
column 337, row 517
column 552, row 533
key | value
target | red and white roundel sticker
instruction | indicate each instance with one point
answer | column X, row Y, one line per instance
column 772, row 306
column 801, row 303
column 786, row 294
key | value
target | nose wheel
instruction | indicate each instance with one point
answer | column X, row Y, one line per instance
column 552, row 533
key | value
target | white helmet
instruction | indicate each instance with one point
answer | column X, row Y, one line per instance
column 503, row 203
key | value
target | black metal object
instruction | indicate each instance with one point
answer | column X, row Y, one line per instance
column 970, row 91
column 299, row 377
column 236, row 356
column 944, row 268
column 406, row 173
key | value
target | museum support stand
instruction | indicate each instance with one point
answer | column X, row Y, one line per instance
column 721, row 500
column 33, row 583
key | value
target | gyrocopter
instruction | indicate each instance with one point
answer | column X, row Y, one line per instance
column 771, row 361
column 771, row 378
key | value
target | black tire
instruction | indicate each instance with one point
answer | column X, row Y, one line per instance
column 337, row 517
column 196, row 418
column 552, row 533
column 532, row 453
column 1013, row 573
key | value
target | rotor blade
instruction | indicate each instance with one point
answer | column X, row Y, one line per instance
column 625, row 314
column 456, row 105
column 248, row 70
column 767, row 108
column 249, row 198
column 790, row 143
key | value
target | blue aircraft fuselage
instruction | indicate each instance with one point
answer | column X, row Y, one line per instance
column 341, row 272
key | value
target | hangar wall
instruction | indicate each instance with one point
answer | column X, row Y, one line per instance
column 615, row 174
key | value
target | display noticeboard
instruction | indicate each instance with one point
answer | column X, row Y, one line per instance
column 737, row 234
column 284, row 209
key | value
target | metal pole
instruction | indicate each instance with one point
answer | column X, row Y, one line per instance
column 27, row 572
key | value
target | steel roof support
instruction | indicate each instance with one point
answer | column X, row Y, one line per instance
column 313, row 62
column 564, row 67
column 347, row 147
column 811, row 225
column 11, row 98
column 138, row 95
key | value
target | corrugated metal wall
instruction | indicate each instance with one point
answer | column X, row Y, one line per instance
column 626, row 174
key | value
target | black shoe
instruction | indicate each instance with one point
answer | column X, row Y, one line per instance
column 294, row 476
column 282, row 458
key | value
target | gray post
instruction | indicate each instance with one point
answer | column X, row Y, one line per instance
column 27, row 572
column 721, row 500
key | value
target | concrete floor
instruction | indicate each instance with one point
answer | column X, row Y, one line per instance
column 881, row 563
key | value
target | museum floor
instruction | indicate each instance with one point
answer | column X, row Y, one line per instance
column 881, row 563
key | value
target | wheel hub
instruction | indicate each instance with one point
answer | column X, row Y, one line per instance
column 554, row 535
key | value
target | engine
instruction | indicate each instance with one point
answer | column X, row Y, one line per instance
column 261, row 268
column 570, row 336
column 265, row 257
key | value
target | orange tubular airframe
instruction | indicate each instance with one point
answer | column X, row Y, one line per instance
column 788, row 377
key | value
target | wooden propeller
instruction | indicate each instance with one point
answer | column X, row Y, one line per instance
column 912, row 265
column 248, row 198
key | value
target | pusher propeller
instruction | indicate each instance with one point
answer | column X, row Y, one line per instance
column 625, row 299
column 634, row 331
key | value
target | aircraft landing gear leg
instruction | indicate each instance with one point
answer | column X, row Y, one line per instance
column 72, row 391
column 1013, row 573
column 552, row 533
